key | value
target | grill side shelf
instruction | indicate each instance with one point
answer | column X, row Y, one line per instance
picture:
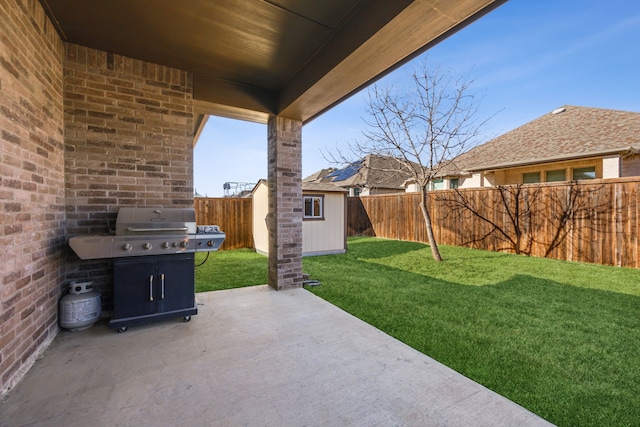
column 92, row 247
column 157, row 230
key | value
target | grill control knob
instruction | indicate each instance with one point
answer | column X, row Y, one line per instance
column 166, row 245
column 146, row 246
column 127, row 246
column 184, row 244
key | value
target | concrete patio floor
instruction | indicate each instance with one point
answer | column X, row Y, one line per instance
column 251, row 357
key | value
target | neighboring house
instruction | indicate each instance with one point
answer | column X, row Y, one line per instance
column 569, row 143
column 324, row 223
column 439, row 183
column 373, row 174
column 320, row 175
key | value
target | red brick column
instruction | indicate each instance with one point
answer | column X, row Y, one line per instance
column 285, row 203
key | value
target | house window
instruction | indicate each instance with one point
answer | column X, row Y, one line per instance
column 556, row 175
column 531, row 177
column 437, row 184
column 584, row 173
column 313, row 207
column 453, row 183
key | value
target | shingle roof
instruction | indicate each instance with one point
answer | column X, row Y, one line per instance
column 319, row 175
column 568, row 132
column 372, row 171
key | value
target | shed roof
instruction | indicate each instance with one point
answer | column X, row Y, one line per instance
column 568, row 132
column 323, row 187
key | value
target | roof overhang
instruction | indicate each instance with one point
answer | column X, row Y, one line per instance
column 254, row 58
column 622, row 151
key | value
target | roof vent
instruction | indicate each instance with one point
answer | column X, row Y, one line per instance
column 559, row 110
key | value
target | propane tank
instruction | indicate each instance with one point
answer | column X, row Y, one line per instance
column 80, row 308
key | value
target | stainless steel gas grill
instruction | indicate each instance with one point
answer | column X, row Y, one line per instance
column 150, row 231
column 153, row 251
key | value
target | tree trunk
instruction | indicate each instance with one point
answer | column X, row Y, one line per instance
column 435, row 252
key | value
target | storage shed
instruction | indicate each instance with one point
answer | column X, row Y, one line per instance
column 324, row 224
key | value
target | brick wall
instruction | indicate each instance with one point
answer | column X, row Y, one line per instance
column 128, row 142
column 31, row 186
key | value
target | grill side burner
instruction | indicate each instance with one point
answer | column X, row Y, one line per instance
column 153, row 251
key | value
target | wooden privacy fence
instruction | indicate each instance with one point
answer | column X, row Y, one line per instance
column 233, row 215
column 594, row 221
column 588, row 221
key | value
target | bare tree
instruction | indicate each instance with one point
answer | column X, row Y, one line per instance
column 423, row 128
column 518, row 217
column 506, row 210
column 572, row 205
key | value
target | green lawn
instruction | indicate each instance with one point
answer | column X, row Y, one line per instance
column 562, row 339
column 230, row 269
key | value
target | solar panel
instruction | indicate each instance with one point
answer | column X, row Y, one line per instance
column 346, row 172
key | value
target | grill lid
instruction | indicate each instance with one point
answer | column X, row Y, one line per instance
column 157, row 221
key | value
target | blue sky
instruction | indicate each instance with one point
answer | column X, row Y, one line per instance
column 527, row 57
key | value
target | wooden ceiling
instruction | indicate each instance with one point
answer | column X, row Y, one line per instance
column 254, row 58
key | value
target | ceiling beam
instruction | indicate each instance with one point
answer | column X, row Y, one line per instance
column 232, row 99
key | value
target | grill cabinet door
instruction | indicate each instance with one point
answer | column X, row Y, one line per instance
column 151, row 288
column 135, row 284
column 176, row 283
